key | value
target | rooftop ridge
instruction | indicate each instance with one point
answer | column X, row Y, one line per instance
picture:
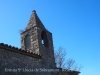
column 66, row 70
column 19, row 50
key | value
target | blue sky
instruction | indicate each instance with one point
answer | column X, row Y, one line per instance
column 75, row 25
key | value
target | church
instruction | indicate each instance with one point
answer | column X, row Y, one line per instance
column 36, row 55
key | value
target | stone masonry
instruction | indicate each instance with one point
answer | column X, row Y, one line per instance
column 36, row 51
column 36, row 55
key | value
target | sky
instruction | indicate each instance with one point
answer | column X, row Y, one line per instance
column 75, row 25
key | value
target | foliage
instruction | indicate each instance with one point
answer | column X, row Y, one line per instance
column 62, row 62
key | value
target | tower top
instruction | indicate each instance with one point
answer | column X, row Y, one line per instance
column 34, row 21
column 34, row 11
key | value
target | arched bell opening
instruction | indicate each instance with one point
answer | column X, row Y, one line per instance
column 27, row 42
column 44, row 39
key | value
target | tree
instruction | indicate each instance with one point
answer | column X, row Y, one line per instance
column 60, row 55
column 72, row 65
column 62, row 62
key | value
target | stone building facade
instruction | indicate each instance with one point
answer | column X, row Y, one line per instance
column 36, row 55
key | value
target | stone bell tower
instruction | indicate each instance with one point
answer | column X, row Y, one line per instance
column 38, row 40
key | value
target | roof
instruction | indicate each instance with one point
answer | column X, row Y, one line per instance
column 19, row 50
column 34, row 21
column 68, row 71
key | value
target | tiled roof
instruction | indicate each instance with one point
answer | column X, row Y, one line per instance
column 19, row 50
column 69, row 71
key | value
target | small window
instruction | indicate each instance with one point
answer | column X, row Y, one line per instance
column 27, row 42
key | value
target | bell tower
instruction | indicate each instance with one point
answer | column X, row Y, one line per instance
column 38, row 40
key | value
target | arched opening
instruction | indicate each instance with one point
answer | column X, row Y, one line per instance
column 44, row 39
column 27, row 42
column 42, row 42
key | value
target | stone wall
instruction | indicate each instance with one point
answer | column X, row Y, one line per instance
column 12, row 63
